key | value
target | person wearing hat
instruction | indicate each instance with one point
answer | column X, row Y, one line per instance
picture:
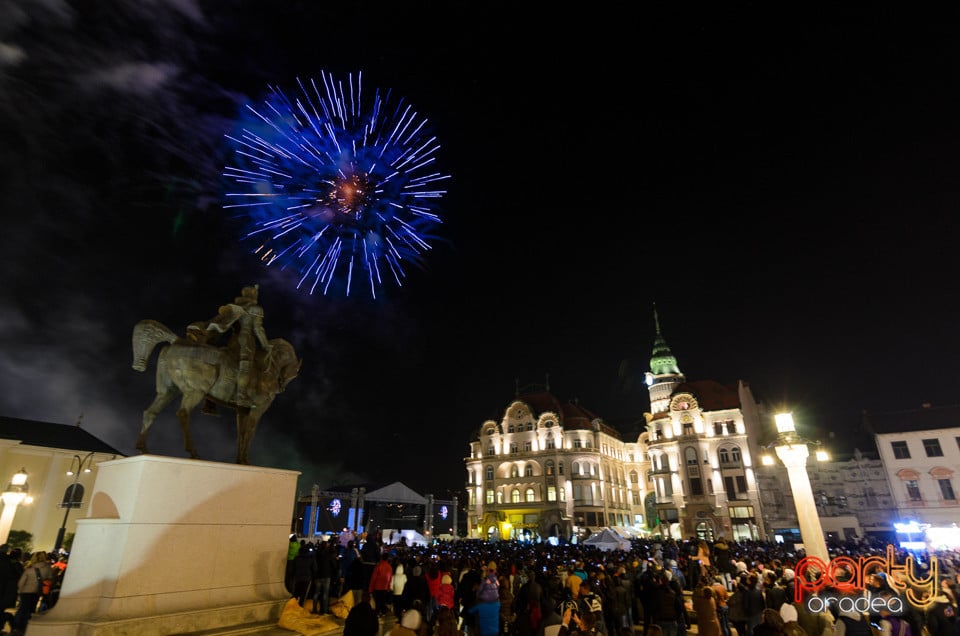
column 487, row 607
column 409, row 624
column 362, row 619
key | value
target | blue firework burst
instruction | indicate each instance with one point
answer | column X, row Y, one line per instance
column 334, row 188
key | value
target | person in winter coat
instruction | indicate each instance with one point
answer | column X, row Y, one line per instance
column 705, row 607
column 10, row 572
column 379, row 586
column 941, row 617
column 416, row 593
column 30, row 586
column 753, row 602
column 771, row 624
column 446, row 592
column 397, row 583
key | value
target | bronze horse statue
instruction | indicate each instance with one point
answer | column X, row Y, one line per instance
column 199, row 372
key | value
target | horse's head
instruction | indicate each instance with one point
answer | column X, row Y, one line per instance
column 283, row 360
column 288, row 373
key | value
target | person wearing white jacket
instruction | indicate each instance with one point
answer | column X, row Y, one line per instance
column 396, row 585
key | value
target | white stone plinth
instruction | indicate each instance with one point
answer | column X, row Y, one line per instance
column 174, row 545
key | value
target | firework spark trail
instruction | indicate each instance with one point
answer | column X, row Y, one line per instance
column 333, row 188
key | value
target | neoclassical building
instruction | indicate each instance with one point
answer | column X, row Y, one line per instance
column 548, row 469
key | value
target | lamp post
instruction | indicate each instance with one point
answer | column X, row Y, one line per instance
column 71, row 499
column 793, row 452
column 16, row 493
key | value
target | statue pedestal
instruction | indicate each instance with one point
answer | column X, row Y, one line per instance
column 176, row 545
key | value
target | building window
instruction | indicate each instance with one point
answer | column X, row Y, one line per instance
column 576, row 443
column 735, row 454
column 900, row 450
column 514, row 472
column 551, row 493
column 531, row 496
column 513, row 447
column 946, row 490
column 510, row 428
column 560, row 468
column 550, row 444
column 724, row 456
column 932, row 447
column 499, row 496
column 490, row 450
column 718, row 428
column 913, row 489
column 489, row 473
column 741, row 483
column 691, row 457
column 688, row 428
column 548, row 467
column 563, row 494
column 529, row 426
column 528, row 471
column 527, row 447
column 515, row 495
column 489, row 496
column 696, row 486
column 576, row 468
column 958, row 442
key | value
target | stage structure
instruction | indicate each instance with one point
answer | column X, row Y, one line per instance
column 362, row 509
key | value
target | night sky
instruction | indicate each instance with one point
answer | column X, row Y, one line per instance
column 786, row 192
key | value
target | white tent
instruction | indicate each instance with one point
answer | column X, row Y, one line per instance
column 607, row 540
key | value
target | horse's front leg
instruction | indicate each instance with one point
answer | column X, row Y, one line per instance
column 150, row 415
column 187, row 404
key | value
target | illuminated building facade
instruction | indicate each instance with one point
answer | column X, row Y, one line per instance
column 920, row 449
column 701, row 442
column 548, row 469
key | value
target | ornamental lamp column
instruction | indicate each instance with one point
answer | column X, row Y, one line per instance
column 16, row 493
column 793, row 452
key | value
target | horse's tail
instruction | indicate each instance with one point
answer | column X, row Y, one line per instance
column 146, row 335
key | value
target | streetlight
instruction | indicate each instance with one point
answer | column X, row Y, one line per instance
column 73, row 495
column 793, row 452
column 16, row 493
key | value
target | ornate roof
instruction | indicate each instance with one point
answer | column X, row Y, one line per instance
column 662, row 361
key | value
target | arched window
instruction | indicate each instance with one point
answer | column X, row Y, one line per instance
column 489, row 473
column 510, row 428
column 724, row 456
column 634, row 478
column 530, row 495
column 514, row 471
column 515, row 496
column 575, row 467
column 548, row 467
column 528, row 471
column 550, row 443
column 560, row 468
column 690, row 456
column 735, row 453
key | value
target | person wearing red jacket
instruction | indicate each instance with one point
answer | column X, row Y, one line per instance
column 380, row 581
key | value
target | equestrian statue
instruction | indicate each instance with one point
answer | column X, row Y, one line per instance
column 238, row 375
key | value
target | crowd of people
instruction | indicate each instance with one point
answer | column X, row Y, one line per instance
column 658, row 588
column 29, row 583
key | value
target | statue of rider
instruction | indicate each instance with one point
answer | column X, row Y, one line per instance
column 245, row 315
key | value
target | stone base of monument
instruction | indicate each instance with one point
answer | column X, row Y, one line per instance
column 173, row 546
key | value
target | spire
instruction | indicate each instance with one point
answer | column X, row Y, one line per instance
column 661, row 361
